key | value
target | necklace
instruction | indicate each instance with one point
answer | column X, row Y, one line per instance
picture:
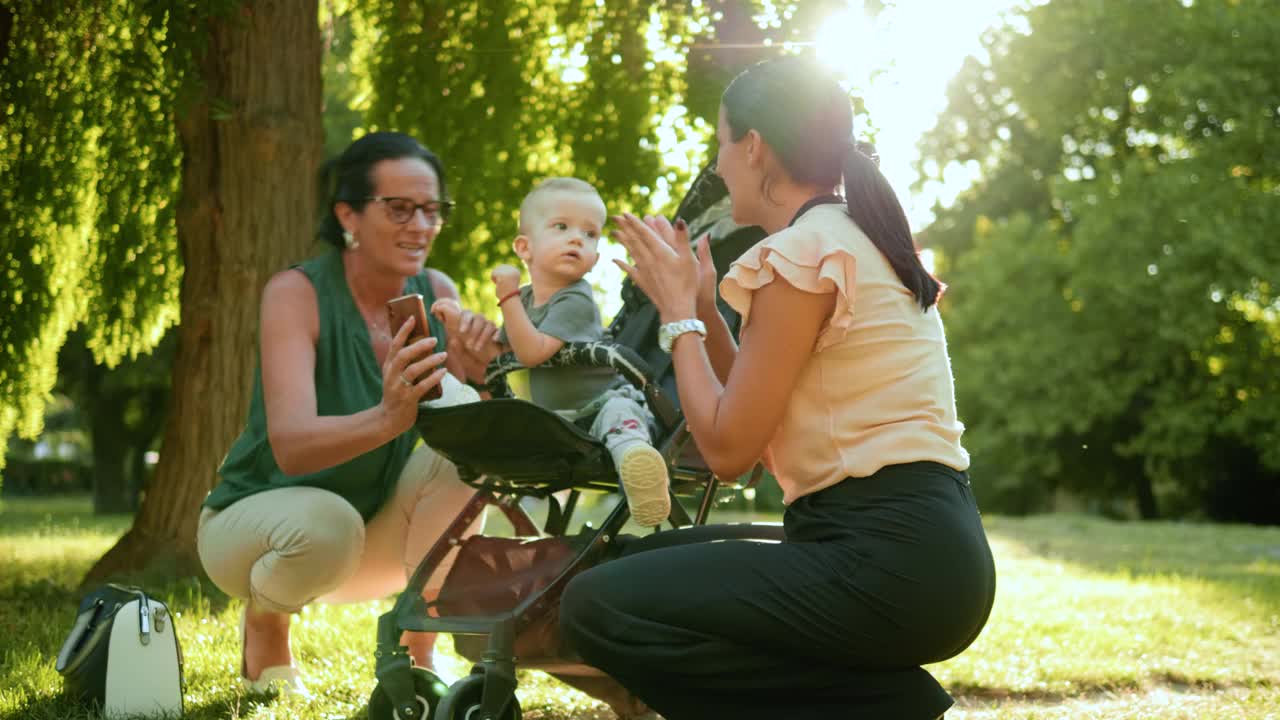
column 378, row 324
column 379, row 331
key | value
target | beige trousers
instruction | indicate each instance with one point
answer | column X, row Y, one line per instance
column 287, row 547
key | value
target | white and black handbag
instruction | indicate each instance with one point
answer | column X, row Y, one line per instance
column 123, row 654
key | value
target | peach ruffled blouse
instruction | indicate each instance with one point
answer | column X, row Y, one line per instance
column 878, row 389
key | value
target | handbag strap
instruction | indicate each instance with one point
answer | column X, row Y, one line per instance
column 78, row 630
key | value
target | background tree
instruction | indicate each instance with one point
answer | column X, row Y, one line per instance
column 342, row 116
column 124, row 411
column 251, row 139
column 89, row 165
column 1115, row 318
column 59, row 461
column 622, row 94
column 744, row 32
column 510, row 91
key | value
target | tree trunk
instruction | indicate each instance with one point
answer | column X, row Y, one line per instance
column 735, row 43
column 251, row 146
column 112, row 490
column 154, row 403
column 1130, row 472
column 1147, row 507
column 104, row 407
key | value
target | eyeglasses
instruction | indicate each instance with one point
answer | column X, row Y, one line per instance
column 400, row 210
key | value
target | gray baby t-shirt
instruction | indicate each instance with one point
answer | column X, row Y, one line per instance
column 570, row 315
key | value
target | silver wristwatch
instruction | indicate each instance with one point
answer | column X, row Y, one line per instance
column 668, row 333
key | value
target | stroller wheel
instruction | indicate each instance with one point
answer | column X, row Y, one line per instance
column 462, row 702
column 427, row 690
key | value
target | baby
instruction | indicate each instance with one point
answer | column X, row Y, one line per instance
column 560, row 225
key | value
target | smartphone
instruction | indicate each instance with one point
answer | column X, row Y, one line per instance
column 399, row 310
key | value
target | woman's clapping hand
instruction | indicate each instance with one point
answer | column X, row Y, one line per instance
column 665, row 268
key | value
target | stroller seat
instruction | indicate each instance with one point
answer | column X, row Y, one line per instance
column 511, row 446
column 521, row 446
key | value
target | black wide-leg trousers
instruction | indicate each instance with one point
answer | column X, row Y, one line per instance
column 878, row 576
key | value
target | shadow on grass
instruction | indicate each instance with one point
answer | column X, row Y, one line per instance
column 1098, row 690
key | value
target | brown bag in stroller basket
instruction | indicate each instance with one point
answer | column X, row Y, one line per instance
column 492, row 575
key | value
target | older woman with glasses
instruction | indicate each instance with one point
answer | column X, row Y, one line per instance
column 323, row 495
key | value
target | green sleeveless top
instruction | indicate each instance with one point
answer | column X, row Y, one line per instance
column 348, row 379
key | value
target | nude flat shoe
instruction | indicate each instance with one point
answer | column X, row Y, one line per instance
column 278, row 678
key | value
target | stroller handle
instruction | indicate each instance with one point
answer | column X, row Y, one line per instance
column 621, row 358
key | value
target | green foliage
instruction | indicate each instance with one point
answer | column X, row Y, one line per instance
column 341, row 116
column 91, row 163
column 510, row 91
column 622, row 94
column 1116, row 318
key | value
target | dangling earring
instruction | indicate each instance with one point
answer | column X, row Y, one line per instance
column 350, row 240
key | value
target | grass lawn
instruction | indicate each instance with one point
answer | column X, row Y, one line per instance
column 1093, row 619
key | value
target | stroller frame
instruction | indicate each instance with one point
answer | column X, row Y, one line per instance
column 579, row 462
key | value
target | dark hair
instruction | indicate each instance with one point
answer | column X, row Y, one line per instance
column 349, row 178
column 807, row 119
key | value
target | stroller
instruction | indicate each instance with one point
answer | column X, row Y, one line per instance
column 500, row 598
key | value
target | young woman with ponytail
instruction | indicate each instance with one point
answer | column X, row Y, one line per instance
column 843, row 386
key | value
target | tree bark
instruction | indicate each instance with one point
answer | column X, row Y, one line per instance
column 251, row 148
column 154, row 404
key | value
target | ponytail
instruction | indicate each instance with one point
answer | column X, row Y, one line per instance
column 802, row 113
column 876, row 210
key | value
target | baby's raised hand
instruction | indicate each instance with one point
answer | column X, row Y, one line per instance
column 506, row 279
column 449, row 312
